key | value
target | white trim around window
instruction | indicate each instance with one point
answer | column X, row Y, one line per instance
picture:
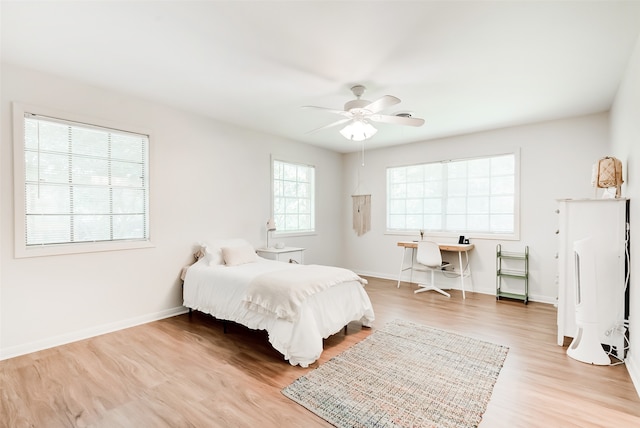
column 431, row 198
column 293, row 195
column 124, row 178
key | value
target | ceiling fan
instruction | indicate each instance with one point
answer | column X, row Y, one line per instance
column 359, row 113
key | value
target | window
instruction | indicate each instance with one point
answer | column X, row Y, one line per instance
column 470, row 195
column 79, row 184
column 293, row 197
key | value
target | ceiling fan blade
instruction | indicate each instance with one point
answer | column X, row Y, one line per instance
column 330, row 110
column 397, row 120
column 382, row 103
column 331, row 125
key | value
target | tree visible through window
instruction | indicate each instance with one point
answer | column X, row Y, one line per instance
column 471, row 195
column 293, row 197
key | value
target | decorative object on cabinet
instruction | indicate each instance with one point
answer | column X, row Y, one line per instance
column 511, row 264
column 607, row 174
column 605, row 221
column 285, row 254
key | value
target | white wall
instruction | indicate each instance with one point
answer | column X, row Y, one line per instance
column 625, row 139
column 208, row 180
column 198, row 193
column 555, row 162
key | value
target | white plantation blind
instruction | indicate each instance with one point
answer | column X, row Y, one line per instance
column 83, row 183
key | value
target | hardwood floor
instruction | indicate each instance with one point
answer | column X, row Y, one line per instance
column 185, row 372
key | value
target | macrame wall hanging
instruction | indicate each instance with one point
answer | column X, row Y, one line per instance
column 361, row 213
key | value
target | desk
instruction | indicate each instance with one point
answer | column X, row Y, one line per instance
column 456, row 248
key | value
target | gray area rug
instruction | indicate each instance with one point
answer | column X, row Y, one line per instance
column 404, row 375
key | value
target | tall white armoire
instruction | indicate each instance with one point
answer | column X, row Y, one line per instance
column 606, row 222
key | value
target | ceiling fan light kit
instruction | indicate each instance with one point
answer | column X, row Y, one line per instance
column 359, row 113
column 358, row 130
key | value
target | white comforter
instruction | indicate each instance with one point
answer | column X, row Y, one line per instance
column 222, row 291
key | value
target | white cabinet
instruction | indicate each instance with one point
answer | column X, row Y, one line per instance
column 605, row 221
column 286, row 254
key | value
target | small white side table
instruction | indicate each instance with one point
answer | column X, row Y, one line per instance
column 286, row 254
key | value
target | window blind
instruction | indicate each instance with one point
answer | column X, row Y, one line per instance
column 83, row 183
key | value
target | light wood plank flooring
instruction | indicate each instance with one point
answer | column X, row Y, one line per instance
column 185, row 372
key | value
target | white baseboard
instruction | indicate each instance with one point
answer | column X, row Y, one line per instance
column 634, row 370
column 455, row 286
column 75, row 336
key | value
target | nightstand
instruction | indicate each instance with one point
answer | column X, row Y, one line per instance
column 286, row 254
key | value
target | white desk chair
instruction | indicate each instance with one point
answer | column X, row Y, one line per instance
column 429, row 256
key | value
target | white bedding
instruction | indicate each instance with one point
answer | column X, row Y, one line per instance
column 282, row 292
column 221, row 291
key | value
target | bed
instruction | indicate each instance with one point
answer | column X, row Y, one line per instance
column 298, row 305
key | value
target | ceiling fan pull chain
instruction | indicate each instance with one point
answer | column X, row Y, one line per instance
column 362, row 153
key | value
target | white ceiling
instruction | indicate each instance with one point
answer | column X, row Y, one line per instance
column 462, row 66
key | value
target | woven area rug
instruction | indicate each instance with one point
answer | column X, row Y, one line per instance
column 404, row 375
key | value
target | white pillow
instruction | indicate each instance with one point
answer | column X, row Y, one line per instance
column 212, row 255
column 213, row 250
column 239, row 255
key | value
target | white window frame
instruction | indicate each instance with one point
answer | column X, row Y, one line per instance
column 280, row 224
column 515, row 235
column 20, row 247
